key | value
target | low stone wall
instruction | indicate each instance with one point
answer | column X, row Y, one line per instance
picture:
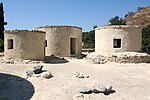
column 121, row 57
column 128, row 57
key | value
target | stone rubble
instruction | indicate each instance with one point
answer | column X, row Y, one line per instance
column 119, row 57
column 38, row 72
column 96, row 89
column 19, row 61
column 80, row 75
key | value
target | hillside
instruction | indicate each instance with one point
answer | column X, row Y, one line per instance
column 141, row 17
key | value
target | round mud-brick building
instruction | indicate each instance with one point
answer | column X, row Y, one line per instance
column 62, row 41
column 118, row 38
column 24, row 44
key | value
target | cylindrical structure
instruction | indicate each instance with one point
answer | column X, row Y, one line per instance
column 118, row 38
column 63, row 40
column 24, row 44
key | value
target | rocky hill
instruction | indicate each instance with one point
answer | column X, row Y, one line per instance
column 141, row 17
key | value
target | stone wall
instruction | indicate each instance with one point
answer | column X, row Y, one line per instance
column 130, row 36
column 58, row 40
column 119, row 57
column 24, row 44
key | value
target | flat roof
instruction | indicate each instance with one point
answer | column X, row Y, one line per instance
column 55, row 26
column 118, row 26
column 15, row 31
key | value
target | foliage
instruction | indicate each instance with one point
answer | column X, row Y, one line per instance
column 117, row 21
column 140, row 8
column 88, row 38
column 146, row 39
column 2, row 23
column 1, row 45
column 129, row 14
column 1, row 28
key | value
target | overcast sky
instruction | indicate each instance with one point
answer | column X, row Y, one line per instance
column 29, row 14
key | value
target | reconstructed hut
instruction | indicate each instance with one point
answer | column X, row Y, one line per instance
column 24, row 44
column 118, row 38
column 62, row 40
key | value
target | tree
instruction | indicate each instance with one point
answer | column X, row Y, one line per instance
column 2, row 23
column 139, row 8
column 146, row 39
column 95, row 26
column 117, row 21
column 88, row 38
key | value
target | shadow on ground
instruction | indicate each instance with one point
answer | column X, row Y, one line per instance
column 15, row 88
column 55, row 60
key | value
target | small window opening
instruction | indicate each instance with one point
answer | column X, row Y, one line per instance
column 10, row 43
column 117, row 43
column 45, row 43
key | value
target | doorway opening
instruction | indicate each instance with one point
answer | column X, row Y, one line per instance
column 72, row 45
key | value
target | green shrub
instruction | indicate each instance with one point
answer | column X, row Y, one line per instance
column 1, row 45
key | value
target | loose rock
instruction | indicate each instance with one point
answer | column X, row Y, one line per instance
column 109, row 89
column 29, row 73
column 99, row 89
column 46, row 75
column 85, row 90
column 80, row 75
column 38, row 69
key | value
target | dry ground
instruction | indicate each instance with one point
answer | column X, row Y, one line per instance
column 130, row 81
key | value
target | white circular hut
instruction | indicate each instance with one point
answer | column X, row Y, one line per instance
column 24, row 44
column 62, row 40
column 118, row 38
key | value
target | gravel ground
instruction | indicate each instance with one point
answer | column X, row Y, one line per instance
column 129, row 81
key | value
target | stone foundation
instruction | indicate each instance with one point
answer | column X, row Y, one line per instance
column 121, row 57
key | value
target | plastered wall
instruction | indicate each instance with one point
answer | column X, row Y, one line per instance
column 26, row 44
column 131, row 38
column 58, row 40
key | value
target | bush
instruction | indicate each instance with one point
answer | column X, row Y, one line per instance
column 1, row 45
column 88, row 38
column 146, row 39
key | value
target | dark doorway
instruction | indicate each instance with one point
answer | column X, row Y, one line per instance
column 45, row 43
column 10, row 43
column 117, row 43
column 72, row 45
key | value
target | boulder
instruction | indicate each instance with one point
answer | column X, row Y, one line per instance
column 46, row 74
column 99, row 89
column 37, row 69
column 109, row 89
